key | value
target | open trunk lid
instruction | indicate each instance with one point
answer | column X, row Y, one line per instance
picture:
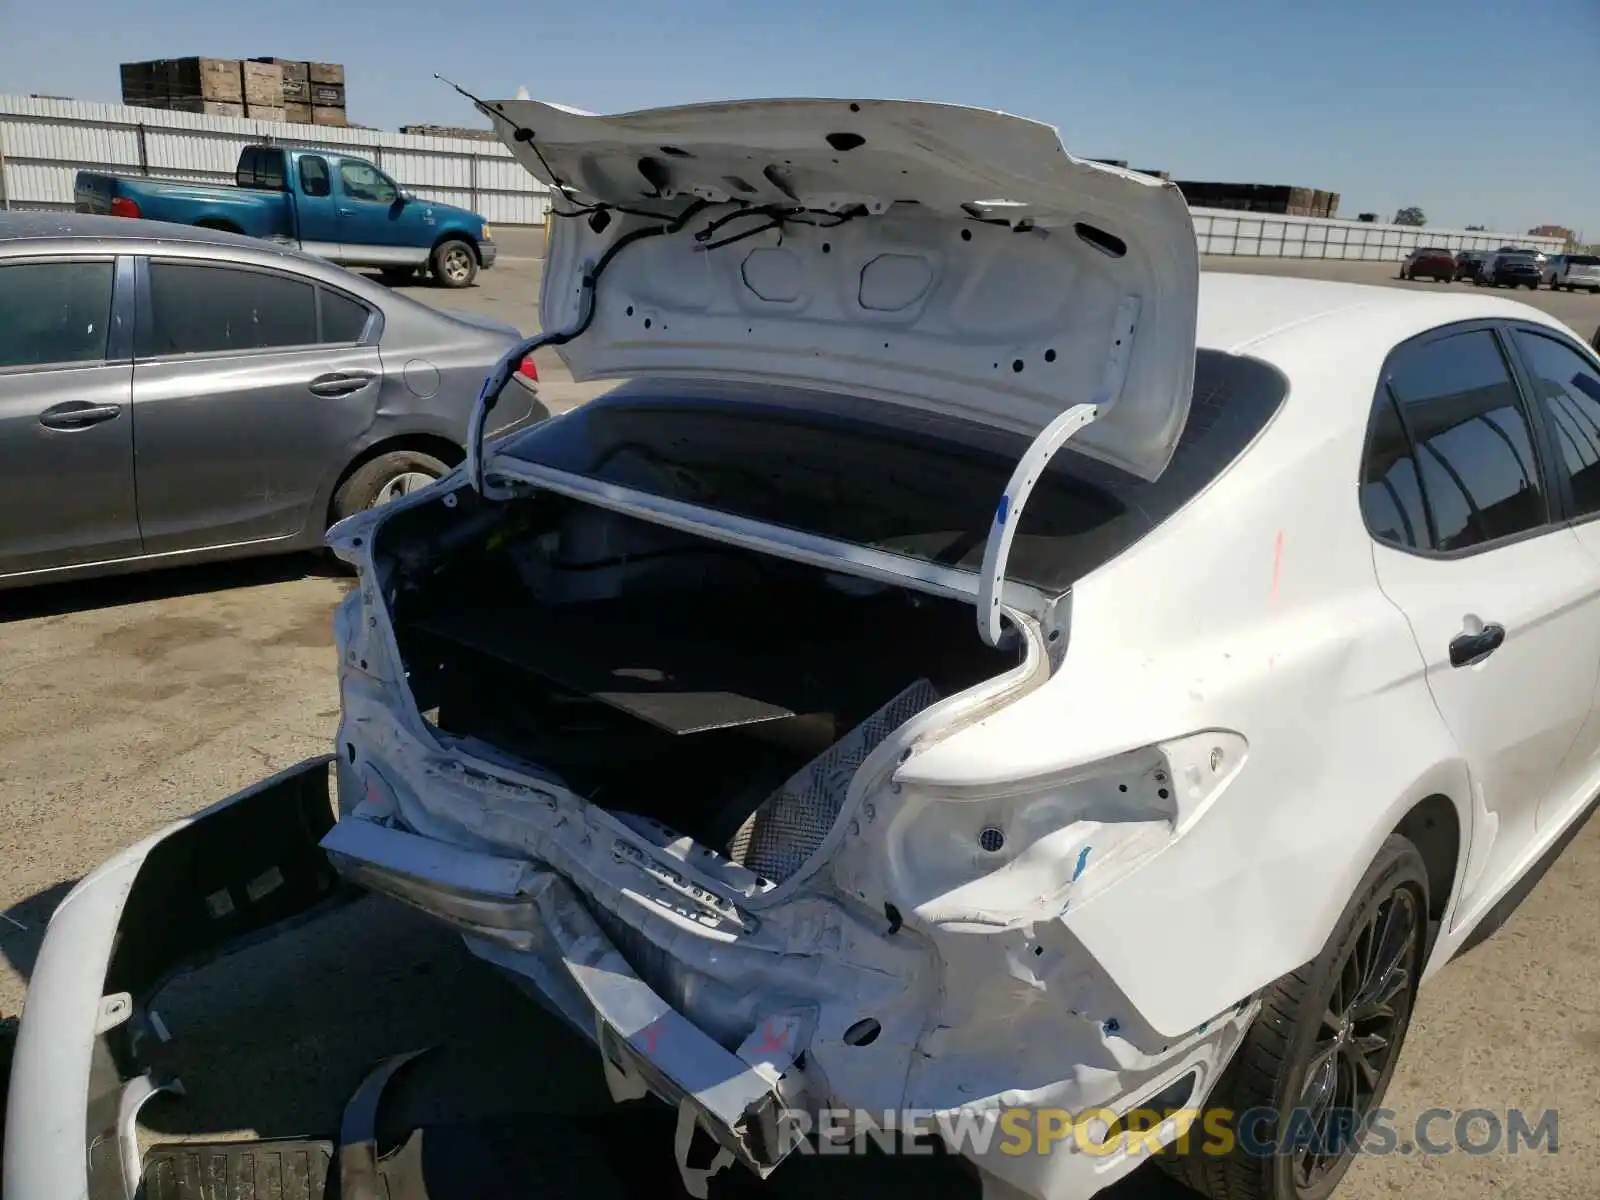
column 944, row 258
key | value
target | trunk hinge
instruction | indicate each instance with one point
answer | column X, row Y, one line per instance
column 1031, row 466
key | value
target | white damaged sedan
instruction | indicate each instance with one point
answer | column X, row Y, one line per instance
column 975, row 663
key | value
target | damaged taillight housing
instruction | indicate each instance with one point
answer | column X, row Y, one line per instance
column 999, row 854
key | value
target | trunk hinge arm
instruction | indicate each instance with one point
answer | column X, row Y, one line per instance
column 495, row 383
column 1031, row 467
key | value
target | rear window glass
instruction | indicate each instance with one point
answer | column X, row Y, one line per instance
column 898, row 481
column 1583, row 260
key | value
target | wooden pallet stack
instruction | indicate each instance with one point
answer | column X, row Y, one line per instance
column 313, row 92
column 266, row 89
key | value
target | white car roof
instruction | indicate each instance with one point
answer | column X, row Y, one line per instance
column 1244, row 312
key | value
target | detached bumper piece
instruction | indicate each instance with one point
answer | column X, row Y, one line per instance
column 230, row 876
column 531, row 921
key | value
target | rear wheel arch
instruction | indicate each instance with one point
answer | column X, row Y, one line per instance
column 1433, row 826
column 434, row 445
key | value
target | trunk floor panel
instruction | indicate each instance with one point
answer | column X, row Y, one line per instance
column 690, row 663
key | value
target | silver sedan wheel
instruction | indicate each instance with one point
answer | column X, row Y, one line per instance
column 401, row 485
column 456, row 264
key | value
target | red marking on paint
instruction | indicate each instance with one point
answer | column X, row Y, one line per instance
column 772, row 1039
column 1277, row 565
column 650, row 1033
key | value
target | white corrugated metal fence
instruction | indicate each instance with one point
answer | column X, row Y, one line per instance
column 45, row 143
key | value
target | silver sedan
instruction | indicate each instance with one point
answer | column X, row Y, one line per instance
column 170, row 394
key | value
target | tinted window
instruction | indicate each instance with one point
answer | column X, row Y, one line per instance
column 342, row 318
column 199, row 309
column 247, row 171
column 1473, row 447
column 54, row 312
column 365, row 183
column 912, row 484
column 1568, row 386
column 1391, row 495
column 269, row 171
column 1583, row 260
column 314, row 176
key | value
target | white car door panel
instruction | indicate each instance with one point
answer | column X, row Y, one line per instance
column 1503, row 598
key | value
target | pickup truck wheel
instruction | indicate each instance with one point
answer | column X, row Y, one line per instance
column 1317, row 1060
column 384, row 479
column 454, row 263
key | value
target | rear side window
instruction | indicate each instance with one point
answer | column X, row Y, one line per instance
column 1568, row 388
column 1449, row 438
column 1391, row 494
column 910, row 484
column 206, row 309
column 343, row 319
column 314, row 176
column 54, row 313
column 1582, row 260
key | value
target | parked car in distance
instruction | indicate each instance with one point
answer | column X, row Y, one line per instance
column 1509, row 268
column 171, row 394
column 336, row 206
column 1572, row 271
column 1469, row 263
column 1429, row 262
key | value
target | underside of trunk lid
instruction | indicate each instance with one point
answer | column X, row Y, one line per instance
column 941, row 258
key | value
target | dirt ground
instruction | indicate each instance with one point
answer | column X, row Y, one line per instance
column 132, row 702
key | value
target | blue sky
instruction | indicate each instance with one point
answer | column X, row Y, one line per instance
column 1459, row 106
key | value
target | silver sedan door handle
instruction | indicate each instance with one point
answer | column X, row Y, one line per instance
column 339, row 383
column 77, row 414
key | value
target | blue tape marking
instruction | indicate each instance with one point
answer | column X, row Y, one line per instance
column 1000, row 513
column 1083, row 861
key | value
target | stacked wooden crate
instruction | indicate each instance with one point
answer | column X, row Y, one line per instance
column 200, row 85
column 313, row 92
column 266, row 89
column 263, row 92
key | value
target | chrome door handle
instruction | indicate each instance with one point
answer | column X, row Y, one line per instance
column 77, row 414
column 339, row 383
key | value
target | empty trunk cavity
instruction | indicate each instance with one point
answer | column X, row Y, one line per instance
column 726, row 694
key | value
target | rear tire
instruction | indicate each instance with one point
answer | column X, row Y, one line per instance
column 454, row 263
column 383, row 479
column 1306, row 1049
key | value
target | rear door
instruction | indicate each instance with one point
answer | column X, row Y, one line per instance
column 66, row 429
column 249, row 388
column 1472, row 545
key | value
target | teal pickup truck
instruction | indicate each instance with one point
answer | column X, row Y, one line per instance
column 335, row 206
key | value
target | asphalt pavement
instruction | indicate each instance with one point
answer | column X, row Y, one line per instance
column 132, row 702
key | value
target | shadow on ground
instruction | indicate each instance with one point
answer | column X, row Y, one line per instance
column 54, row 599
